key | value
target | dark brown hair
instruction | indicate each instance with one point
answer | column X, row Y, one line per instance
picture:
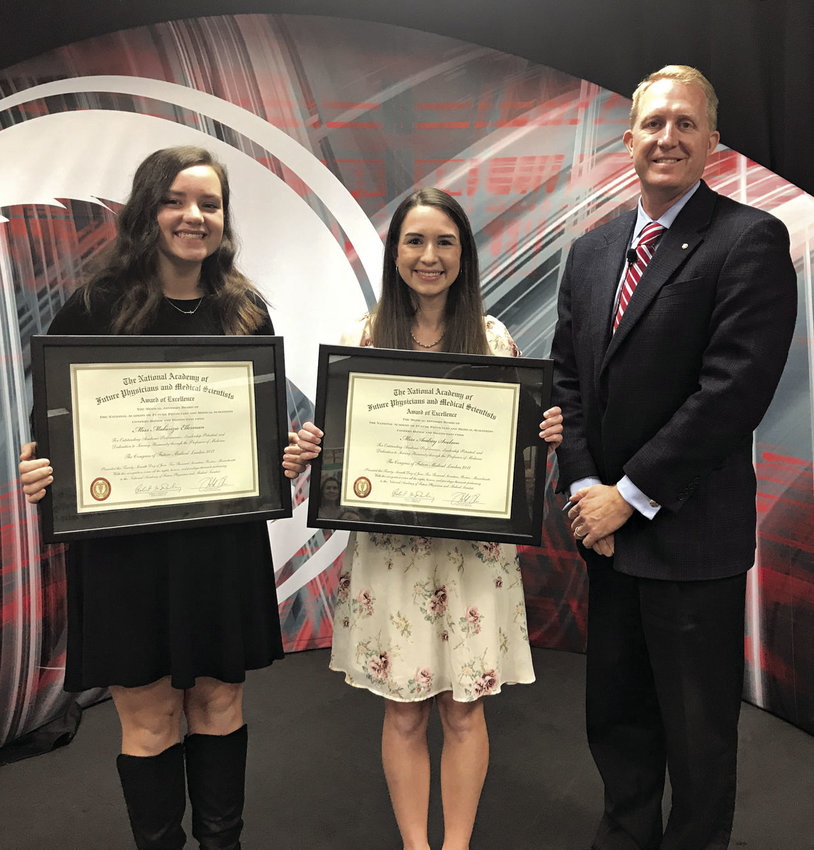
column 463, row 319
column 129, row 267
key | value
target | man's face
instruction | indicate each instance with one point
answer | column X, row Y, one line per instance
column 670, row 142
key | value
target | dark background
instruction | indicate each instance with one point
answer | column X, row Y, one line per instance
column 757, row 53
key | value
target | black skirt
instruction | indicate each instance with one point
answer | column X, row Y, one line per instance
column 187, row 603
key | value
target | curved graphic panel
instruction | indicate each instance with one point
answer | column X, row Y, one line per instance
column 325, row 124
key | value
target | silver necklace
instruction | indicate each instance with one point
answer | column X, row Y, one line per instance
column 431, row 345
column 186, row 312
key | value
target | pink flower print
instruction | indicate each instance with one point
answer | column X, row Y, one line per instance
column 421, row 545
column 473, row 618
column 489, row 551
column 438, row 601
column 486, row 683
column 379, row 666
column 344, row 587
column 365, row 601
column 444, row 635
column 423, row 679
column 346, row 622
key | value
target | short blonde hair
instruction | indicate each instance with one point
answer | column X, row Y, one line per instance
column 681, row 74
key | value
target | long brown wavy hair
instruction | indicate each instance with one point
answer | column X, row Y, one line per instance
column 129, row 267
column 463, row 316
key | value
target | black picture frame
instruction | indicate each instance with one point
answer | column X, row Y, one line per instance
column 53, row 359
column 531, row 376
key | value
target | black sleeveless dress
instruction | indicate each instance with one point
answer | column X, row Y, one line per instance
column 181, row 603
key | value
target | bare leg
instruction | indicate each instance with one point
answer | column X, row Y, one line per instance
column 151, row 766
column 213, row 707
column 464, row 761
column 406, row 761
column 150, row 716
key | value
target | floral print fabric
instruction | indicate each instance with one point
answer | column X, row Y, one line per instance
column 416, row 616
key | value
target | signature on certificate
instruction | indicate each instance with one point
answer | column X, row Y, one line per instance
column 159, row 488
column 419, row 497
column 463, row 498
column 213, row 483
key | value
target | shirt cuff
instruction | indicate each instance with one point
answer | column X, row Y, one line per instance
column 636, row 499
column 581, row 484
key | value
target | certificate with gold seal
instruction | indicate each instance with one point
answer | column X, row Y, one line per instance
column 430, row 444
column 179, row 433
column 148, row 433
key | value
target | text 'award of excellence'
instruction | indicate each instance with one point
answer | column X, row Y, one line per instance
column 153, row 432
column 438, row 445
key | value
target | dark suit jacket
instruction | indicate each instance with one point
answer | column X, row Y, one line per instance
column 672, row 398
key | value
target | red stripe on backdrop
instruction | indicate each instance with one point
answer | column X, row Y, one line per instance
column 791, row 540
column 780, row 586
column 773, row 457
column 445, row 106
column 358, row 125
column 442, row 125
column 351, row 104
column 307, row 616
column 770, row 663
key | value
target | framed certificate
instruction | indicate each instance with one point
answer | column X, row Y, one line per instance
column 437, row 445
column 148, row 433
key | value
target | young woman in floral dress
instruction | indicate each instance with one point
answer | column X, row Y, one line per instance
column 419, row 618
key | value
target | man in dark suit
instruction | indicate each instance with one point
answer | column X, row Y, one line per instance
column 659, row 400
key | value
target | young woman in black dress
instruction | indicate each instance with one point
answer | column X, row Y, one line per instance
column 171, row 620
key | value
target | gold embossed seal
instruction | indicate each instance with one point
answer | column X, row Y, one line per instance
column 100, row 489
column 362, row 487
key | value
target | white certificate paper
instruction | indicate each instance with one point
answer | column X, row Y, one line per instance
column 431, row 445
column 163, row 434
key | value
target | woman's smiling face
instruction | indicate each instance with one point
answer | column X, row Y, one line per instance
column 429, row 253
column 190, row 217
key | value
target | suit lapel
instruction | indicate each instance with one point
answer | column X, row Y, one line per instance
column 675, row 247
column 605, row 279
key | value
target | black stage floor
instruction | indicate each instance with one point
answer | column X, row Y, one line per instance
column 315, row 780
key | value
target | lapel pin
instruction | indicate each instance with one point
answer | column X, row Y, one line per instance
column 684, row 246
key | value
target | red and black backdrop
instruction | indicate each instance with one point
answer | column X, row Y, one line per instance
column 327, row 114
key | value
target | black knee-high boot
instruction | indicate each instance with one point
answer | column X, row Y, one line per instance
column 156, row 797
column 216, row 778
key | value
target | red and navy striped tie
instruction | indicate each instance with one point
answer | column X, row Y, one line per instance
column 644, row 251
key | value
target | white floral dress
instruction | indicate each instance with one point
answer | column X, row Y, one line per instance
column 417, row 616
